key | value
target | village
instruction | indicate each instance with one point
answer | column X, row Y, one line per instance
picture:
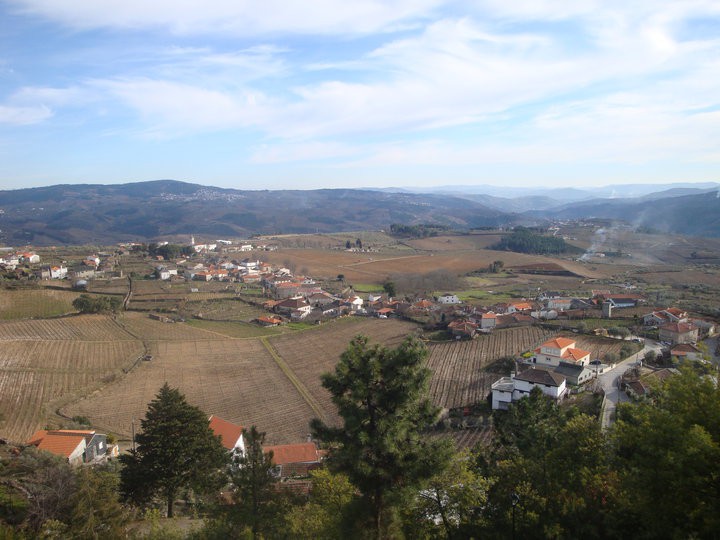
column 656, row 341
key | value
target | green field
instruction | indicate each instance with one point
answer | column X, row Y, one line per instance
column 236, row 329
column 35, row 303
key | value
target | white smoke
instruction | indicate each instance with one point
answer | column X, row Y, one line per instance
column 598, row 240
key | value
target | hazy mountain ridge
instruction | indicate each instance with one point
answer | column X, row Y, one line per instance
column 95, row 213
column 142, row 211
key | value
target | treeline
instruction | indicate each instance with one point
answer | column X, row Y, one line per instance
column 524, row 240
column 422, row 230
column 86, row 303
column 550, row 472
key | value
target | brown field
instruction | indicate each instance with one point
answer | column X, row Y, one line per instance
column 35, row 303
column 37, row 372
column 315, row 352
column 109, row 286
column 459, row 378
column 80, row 328
column 455, row 243
column 237, row 329
column 235, row 379
column 143, row 327
column 598, row 346
column 376, row 267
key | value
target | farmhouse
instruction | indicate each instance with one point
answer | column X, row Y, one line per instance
column 560, row 349
column 462, row 328
column 488, row 321
column 448, row 298
column 76, row 446
column 685, row 351
column 509, row 389
column 294, row 459
column 678, row 332
column 230, row 434
column 663, row 316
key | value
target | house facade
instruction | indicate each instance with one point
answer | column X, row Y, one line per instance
column 510, row 389
column 560, row 349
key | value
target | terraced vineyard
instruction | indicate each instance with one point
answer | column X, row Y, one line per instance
column 235, row 379
column 43, row 363
column 318, row 351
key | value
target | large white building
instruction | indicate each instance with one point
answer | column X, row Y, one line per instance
column 509, row 389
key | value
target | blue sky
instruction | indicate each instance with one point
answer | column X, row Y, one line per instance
column 371, row 93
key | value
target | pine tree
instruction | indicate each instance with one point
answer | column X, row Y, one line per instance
column 252, row 477
column 176, row 450
column 382, row 447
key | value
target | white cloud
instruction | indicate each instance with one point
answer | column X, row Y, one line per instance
column 22, row 116
column 234, row 17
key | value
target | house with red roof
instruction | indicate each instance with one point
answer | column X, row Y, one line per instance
column 294, row 459
column 678, row 332
column 664, row 316
column 230, row 434
column 462, row 328
column 560, row 349
column 76, row 446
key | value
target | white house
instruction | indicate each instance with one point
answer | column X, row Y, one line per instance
column 509, row 389
column 58, row 272
column 230, row 434
column 448, row 298
column 246, row 247
column 488, row 321
column 560, row 349
column 30, row 257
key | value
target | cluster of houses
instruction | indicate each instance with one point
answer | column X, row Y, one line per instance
column 89, row 447
column 11, row 260
column 553, row 365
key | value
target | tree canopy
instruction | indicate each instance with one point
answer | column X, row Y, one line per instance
column 86, row 303
column 176, row 449
column 382, row 445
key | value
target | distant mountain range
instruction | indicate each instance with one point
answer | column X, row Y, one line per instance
column 142, row 211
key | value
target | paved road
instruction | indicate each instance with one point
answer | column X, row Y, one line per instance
column 611, row 378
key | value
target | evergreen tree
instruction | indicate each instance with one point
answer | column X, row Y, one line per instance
column 382, row 447
column 176, row 450
column 254, row 482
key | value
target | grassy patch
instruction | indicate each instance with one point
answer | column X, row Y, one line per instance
column 368, row 288
column 235, row 329
column 35, row 303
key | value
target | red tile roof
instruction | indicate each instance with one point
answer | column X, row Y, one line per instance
column 559, row 343
column 61, row 442
column 293, row 453
column 229, row 433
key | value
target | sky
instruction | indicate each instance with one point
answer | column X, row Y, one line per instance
column 371, row 93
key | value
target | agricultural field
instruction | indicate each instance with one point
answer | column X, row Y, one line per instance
column 237, row 329
column 141, row 326
column 80, row 328
column 231, row 309
column 317, row 351
column 56, row 364
column 459, row 377
column 598, row 346
column 35, row 303
column 235, row 379
column 109, row 286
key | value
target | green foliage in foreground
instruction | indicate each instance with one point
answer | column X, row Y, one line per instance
column 549, row 472
column 381, row 395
